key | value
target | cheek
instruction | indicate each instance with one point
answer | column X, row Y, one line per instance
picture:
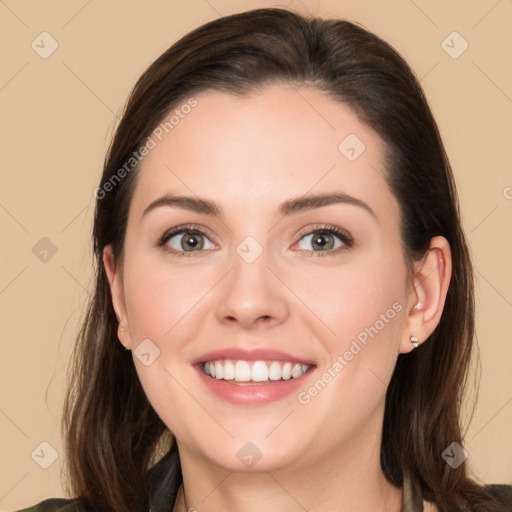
column 159, row 298
column 363, row 301
column 163, row 305
column 364, row 309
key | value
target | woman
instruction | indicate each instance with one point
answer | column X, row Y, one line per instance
column 283, row 315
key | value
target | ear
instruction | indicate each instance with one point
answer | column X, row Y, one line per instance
column 117, row 293
column 426, row 302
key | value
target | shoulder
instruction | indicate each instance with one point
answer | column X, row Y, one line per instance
column 55, row 505
column 503, row 494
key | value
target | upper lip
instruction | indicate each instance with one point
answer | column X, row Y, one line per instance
column 256, row 354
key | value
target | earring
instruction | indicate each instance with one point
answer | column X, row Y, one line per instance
column 414, row 341
column 417, row 306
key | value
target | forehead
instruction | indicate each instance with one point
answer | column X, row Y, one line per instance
column 259, row 150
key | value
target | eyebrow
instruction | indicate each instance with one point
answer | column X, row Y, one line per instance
column 292, row 206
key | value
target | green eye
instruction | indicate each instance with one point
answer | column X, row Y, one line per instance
column 325, row 240
column 184, row 240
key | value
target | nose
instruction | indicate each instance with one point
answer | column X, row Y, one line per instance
column 251, row 295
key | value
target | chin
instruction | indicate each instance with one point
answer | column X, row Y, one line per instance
column 249, row 457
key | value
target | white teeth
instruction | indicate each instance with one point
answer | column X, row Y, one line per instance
column 229, row 371
column 274, row 372
column 242, row 371
column 257, row 371
column 218, row 370
column 296, row 370
column 286, row 372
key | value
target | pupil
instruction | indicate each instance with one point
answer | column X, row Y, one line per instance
column 320, row 240
column 191, row 240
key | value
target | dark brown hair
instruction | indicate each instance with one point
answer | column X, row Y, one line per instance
column 113, row 436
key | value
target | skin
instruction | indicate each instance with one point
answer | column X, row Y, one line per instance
column 249, row 155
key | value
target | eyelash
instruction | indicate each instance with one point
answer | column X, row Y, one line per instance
column 343, row 235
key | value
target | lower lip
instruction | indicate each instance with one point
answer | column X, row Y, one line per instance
column 252, row 394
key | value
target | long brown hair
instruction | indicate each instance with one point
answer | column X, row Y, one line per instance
column 113, row 436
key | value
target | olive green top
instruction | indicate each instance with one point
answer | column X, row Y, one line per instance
column 412, row 503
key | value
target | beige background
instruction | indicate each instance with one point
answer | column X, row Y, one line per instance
column 58, row 114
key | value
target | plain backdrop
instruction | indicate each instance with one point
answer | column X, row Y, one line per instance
column 58, row 113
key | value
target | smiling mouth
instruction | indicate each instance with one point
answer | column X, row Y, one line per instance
column 253, row 372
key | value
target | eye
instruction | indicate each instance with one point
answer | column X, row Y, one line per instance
column 189, row 239
column 185, row 239
column 326, row 239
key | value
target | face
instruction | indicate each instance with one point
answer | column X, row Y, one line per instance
column 297, row 305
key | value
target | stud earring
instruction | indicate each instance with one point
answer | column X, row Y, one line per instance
column 418, row 306
column 414, row 341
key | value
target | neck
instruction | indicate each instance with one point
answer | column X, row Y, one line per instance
column 348, row 478
column 275, row 492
